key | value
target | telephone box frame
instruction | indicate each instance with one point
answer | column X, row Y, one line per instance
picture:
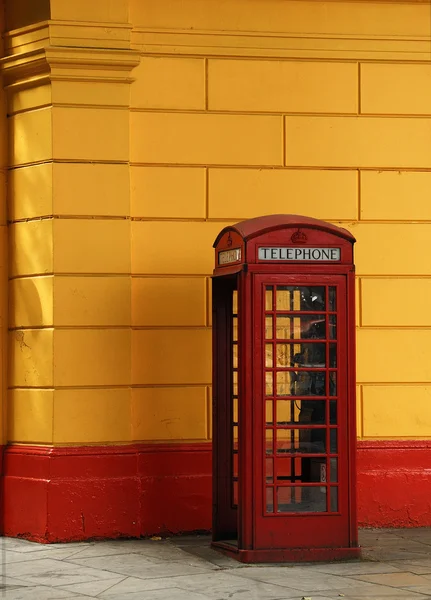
column 243, row 532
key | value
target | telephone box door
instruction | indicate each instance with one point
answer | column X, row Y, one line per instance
column 301, row 428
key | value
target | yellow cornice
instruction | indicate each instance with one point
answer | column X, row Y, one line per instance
column 53, row 63
column 114, row 36
column 118, row 60
column 281, row 45
column 28, row 68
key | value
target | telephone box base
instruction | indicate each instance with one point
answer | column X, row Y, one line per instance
column 287, row 554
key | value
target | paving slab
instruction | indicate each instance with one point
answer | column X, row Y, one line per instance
column 218, row 585
column 395, row 564
column 92, row 588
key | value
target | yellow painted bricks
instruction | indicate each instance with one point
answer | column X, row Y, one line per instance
column 148, row 127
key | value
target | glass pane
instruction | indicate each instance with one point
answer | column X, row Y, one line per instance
column 333, row 355
column 301, row 499
column 283, row 298
column 285, row 497
column 235, row 493
column 301, row 383
column 268, row 298
column 334, row 499
column 268, row 412
column 235, row 383
column 301, row 411
column 235, row 329
column 269, row 441
column 284, row 383
column 269, row 468
column 284, row 355
column 306, row 327
column 235, row 437
column 269, row 500
column 300, row 298
column 333, row 412
column 268, row 384
column 332, row 299
column 235, row 410
column 235, row 464
column 332, row 327
column 334, row 470
column 305, row 441
column 268, row 328
column 284, row 328
column 313, row 470
column 286, row 469
column 268, row 356
column 235, row 356
column 333, row 383
column 287, row 441
column 235, row 302
column 333, row 436
column 301, row 355
column 287, row 412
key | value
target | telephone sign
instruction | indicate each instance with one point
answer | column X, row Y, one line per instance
column 292, row 254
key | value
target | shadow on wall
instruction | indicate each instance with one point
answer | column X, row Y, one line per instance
column 28, row 357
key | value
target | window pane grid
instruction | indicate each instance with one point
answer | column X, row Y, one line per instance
column 292, row 344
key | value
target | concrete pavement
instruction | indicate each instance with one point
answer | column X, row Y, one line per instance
column 396, row 564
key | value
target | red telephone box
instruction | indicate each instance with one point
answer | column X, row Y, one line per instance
column 284, row 418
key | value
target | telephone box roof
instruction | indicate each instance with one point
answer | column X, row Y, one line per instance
column 250, row 228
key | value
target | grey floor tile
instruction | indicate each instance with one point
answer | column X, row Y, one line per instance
column 37, row 566
column 422, row 534
column 389, row 554
column 299, row 578
column 184, row 540
column 9, row 583
column 162, row 549
column 212, row 556
column 154, row 551
column 55, row 573
column 249, row 590
column 373, row 591
column 356, row 568
column 36, row 593
column 398, row 580
column 11, row 556
column 421, row 566
column 92, row 588
column 135, row 584
column 218, row 585
column 376, row 596
column 170, row 552
column 26, row 546
column 420, row 589
column 138, row 565
column 257, row 591
column 57, row 579
column 162, row 594
column 397, row 566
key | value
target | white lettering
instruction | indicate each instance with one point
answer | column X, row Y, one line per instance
column 230, row 256
column 306, row 254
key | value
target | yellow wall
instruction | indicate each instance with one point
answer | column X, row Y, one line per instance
column 139, row 141
column 3, row 252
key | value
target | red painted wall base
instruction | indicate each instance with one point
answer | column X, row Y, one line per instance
column 394, row 483
column 69, row 494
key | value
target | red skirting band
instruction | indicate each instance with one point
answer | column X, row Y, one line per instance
column 70, row 494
